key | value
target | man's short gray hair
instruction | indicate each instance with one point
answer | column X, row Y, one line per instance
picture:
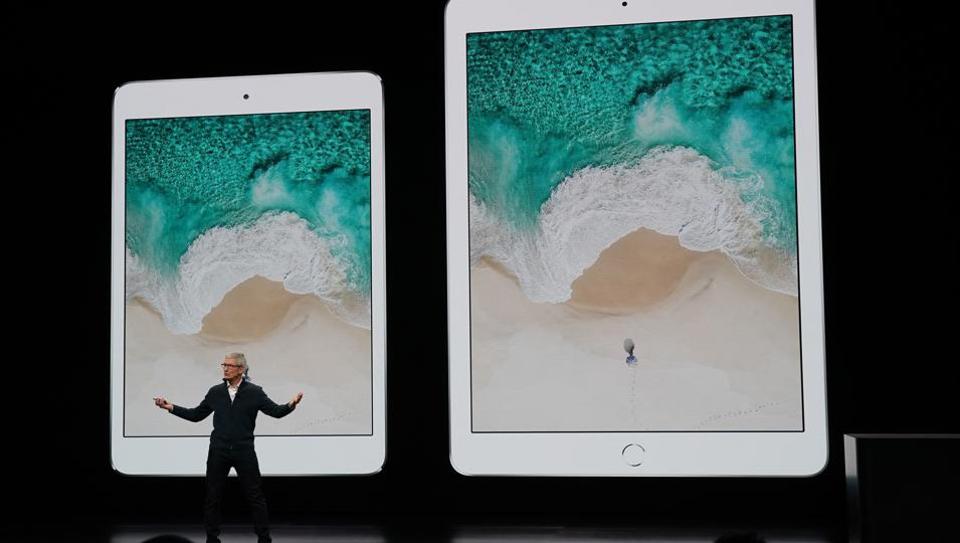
column 240, row 358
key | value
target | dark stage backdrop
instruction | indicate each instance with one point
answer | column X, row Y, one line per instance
column 890, row 251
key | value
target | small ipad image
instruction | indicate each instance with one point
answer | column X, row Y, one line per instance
column 633, row 238
column 248, row 295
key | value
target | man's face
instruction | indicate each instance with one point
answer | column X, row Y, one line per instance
column 231, row 368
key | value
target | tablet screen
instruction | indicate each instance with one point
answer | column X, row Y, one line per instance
column 633, row 228
column 249, row 234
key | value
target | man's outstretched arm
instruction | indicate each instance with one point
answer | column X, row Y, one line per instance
column 196, row 414
column 268, row 407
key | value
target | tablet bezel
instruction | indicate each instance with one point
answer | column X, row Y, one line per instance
column 278, row 455
column 788, row 453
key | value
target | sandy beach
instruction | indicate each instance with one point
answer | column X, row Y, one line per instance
column 293, row 344
column 716, row 351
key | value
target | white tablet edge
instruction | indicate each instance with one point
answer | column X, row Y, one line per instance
column 664, row 453
column 278, row 455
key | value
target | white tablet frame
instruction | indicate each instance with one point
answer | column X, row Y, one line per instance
column 800, row 453
column 278, row 455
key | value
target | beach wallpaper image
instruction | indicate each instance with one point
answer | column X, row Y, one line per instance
column 633, row 236
column 249, row 233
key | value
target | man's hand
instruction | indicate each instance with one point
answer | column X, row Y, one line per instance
column 296, row 399
column 162, row 403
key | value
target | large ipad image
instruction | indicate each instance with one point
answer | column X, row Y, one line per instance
column 633, row 228
column 249, row 233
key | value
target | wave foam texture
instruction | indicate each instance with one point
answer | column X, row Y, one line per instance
column 672, row 190
column 280, row 247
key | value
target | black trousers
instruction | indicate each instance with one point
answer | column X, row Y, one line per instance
column 243, row 458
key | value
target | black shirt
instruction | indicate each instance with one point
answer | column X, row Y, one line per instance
column 233, row 422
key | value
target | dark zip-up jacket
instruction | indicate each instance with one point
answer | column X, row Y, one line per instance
column 233, row 422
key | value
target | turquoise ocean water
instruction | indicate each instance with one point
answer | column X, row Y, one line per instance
column 545, row 104
column 188, row 176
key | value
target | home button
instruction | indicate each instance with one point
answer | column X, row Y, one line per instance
column 633, row 454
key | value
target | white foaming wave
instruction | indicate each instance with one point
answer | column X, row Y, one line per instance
column 672, row 190
column 280, row 247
